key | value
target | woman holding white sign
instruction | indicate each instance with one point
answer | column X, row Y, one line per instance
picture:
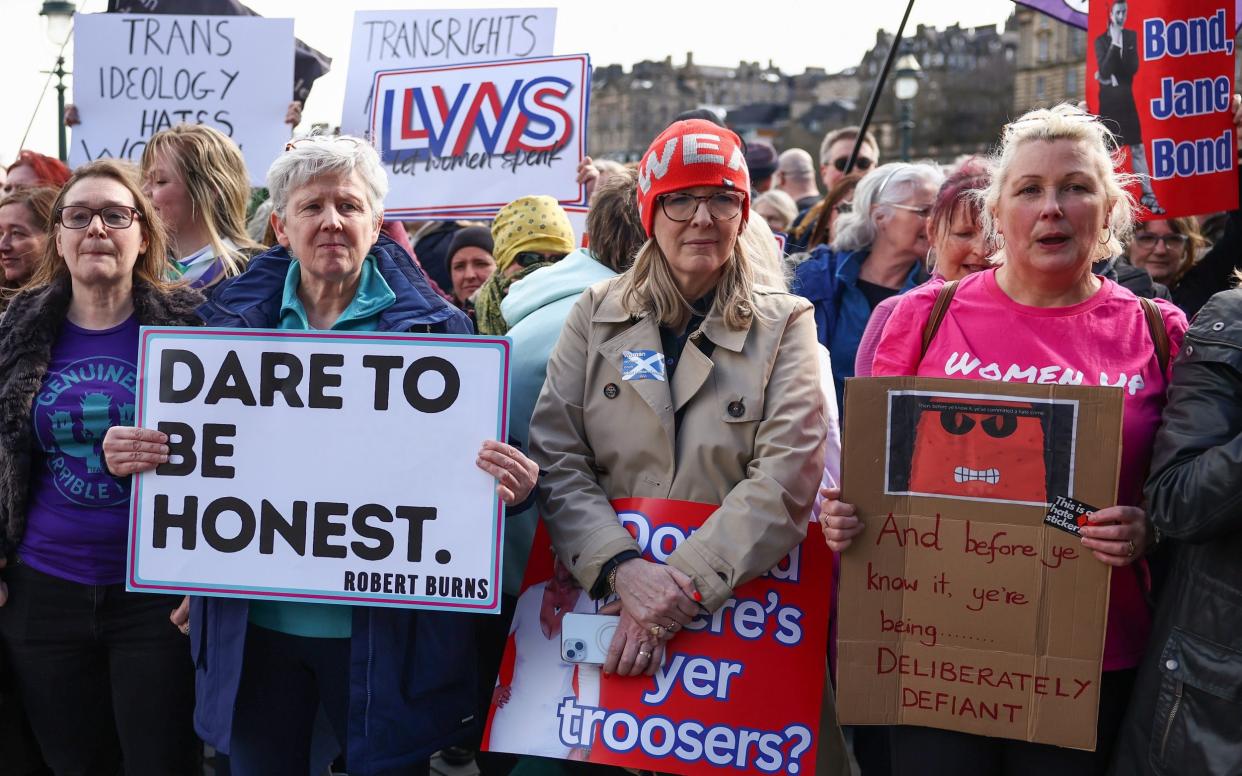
column 683, row 379
column 104, row 675
column 395, row 684
column 1054, row 205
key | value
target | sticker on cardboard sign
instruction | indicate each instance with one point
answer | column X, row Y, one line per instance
column 1068, row 514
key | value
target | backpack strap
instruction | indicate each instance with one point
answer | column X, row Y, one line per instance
column 939, row 309
column 1159, row 334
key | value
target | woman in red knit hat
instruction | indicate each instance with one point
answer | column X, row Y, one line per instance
column 683, row 379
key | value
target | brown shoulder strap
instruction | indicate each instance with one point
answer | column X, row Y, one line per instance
column 1159, row 334
column 943, row 298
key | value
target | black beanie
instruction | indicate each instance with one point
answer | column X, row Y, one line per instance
column 471, row 236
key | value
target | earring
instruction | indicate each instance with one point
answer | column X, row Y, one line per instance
column 1000, row 241
column 1108, row 235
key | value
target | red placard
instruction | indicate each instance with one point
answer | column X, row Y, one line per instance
column 1160, row 72
column 739, row 691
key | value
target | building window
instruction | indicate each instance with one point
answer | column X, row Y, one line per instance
column 1071, row 82
column 1043, row 49
column 1041, row 88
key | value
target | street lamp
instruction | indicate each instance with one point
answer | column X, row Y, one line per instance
column 59, row 14
column 905, row 89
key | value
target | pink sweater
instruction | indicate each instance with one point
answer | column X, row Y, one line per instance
column 1103, row 341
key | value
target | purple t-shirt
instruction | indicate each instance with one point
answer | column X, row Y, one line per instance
column 76, row 522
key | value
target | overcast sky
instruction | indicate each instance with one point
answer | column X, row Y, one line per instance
column 794, row 34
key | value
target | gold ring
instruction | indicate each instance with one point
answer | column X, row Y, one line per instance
column 1132, row 548
column 184, row 628
column 644, row 654
column 657, row 631
column 673, row 626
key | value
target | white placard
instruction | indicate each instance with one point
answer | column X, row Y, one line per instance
column 324, row 467
column 472, row 138
column 135, row 75
column 389, row 40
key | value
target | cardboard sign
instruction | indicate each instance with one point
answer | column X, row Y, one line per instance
column 135, row 75
column 466, row 140
column 739, row 691
column 959, row 608
column 326, row 467
column 387, row 40
column 1162, row 81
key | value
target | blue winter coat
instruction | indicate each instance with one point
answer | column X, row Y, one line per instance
column 829, row 280
column 412, row 673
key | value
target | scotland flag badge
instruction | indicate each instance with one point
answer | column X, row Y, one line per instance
column 642, row 365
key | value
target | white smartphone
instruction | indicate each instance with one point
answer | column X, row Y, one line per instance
column 585, row 637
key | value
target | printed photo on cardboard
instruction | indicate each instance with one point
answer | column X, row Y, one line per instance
column 980, row 448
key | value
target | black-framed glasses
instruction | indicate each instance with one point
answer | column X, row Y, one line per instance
column 721, row 206
column 1172, row 242
column 112, row 216
column 861, row 163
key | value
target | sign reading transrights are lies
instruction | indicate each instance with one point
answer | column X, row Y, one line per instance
column 469, row 139
column 323, row 467
column 396, row 38
column 136, row 75
column 1160, row 74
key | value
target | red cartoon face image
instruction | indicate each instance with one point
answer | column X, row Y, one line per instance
column 979, row 449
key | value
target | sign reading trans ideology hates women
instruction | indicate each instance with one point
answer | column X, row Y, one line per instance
column 321, row 467
column 739, row 690
column 968, row 602
column 465, row 140
column 1160, row 73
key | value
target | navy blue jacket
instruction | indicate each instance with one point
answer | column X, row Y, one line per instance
column 829, row 280
column 412, row 673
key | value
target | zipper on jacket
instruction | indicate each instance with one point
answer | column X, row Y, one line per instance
column 1168, row 727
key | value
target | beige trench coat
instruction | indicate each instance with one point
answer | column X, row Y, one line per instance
column 751, row 439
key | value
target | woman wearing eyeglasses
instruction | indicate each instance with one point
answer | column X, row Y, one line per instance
column 878, row 252
column 105, row 676
column 1166, row 248
column 682, row 379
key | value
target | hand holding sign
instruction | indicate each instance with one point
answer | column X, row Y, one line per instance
column 131, row 450
column 1116, row 536
column 515, row 473
column 838, row 521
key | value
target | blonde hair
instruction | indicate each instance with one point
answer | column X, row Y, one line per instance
column 648, row 287
column 760, row 245
column 214, row 174
column 152, row 265
column 1067, row 122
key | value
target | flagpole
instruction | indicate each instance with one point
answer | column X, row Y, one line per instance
column 878, row 89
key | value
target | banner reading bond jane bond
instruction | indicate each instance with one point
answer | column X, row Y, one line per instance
column 472, row 138
column 324, row 467
column 1160, row 74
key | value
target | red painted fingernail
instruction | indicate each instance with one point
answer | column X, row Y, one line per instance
column 698, row 596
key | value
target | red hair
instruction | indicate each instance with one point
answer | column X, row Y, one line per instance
column 960, row 190
column 49, row 171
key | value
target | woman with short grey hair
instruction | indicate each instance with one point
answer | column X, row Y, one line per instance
column 264, row 668
column 878, row 252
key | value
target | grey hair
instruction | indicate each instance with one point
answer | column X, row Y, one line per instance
column 1067, row 122
column 880, row 188
column 317, row 155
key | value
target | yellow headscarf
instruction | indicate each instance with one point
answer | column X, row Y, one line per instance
column 530, row 224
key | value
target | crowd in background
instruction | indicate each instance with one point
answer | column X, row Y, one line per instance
column 1036, row 255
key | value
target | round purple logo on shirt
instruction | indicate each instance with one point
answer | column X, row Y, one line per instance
column 73, row 411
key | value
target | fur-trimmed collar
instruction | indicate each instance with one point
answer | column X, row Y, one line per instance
column 28, row 330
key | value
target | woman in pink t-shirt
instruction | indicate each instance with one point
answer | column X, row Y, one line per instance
column 1054, row 205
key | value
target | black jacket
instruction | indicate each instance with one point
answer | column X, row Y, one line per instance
column 28, row 331
column 1185, row 715
column 1130, row 277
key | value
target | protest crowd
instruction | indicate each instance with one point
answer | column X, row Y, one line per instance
column 678, row 351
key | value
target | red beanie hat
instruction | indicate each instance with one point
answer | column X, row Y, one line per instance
column 688, row 154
